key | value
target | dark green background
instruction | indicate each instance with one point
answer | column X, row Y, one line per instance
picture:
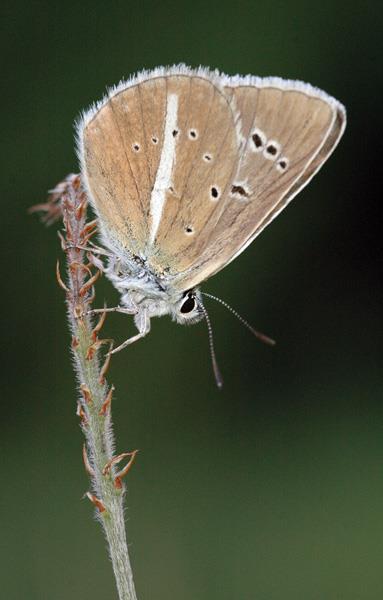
column 273, row 488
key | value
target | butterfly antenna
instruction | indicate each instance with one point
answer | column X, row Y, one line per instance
column 261, row 336
column 217, row 372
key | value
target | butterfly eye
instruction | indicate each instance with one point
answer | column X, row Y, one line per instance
column 188, row 305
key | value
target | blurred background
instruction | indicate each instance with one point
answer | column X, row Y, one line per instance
column 271, row 489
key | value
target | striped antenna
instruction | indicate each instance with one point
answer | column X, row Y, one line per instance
column 217, row 372
column 261, row 336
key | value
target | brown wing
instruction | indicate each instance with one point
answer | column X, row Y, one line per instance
column 125, row 151
column 206, row 158
column 120, row 145
column 186, row 167
column 288, row 131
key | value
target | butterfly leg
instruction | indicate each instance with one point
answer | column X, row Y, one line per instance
column 129, row 308
column 91, row 248
column 142, row 321
column 119, row 309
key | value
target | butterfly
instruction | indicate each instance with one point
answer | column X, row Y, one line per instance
column 185, row 167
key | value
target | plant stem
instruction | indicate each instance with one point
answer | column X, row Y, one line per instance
column 94, row 406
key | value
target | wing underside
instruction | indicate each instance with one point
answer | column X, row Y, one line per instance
column 185, row 168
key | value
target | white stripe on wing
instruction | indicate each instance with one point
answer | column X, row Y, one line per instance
column 165, row 168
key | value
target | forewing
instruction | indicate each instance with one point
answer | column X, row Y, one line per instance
column 287, row 131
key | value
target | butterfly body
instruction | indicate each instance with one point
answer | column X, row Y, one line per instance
column 142, row 292
column 184, row 168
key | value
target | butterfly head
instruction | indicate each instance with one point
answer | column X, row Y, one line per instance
column 188, row 308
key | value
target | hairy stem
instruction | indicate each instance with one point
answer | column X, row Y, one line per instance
column 94, row 406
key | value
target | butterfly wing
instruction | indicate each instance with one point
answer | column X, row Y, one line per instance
column 286, row 132
column 119, row 146
column 142, row 159
column 185, row 168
